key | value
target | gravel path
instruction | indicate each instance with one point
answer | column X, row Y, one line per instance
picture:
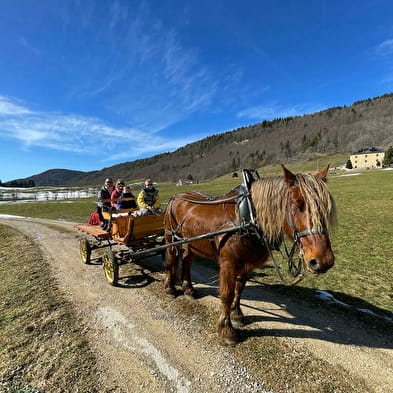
column 143, row 344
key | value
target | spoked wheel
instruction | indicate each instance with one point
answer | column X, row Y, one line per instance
column 111, row 268
column 85, row 250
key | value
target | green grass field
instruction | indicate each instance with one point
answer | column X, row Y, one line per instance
column 362, row 275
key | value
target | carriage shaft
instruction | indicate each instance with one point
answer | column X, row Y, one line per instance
column 188, row 240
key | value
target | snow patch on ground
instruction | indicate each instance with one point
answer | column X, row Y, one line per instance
column 349, row 174
column 10, row 216
column 329, row 298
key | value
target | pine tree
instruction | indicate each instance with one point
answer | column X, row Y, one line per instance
column 388, row 159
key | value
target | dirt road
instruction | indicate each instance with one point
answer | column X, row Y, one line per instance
column 146, row 342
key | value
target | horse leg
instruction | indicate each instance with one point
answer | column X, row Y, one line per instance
column 171, row 270
column 227, row 293
column 237, row 316
column 187, row 287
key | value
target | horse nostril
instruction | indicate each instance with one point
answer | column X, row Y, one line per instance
column 314, row 264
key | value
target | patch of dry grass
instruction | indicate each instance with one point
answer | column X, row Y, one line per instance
column 42, row 344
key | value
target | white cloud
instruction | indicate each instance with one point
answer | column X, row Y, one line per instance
column 385, row 48
column 8, row 107
column 147, row 75
column 32, row 49
column 267, row 112
column 275, row 111
column 78, row 134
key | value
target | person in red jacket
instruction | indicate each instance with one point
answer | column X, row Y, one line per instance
column 117, row 192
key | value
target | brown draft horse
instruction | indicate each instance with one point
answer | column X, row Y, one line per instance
column 296, row 205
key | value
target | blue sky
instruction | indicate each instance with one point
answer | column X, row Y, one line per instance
column 86, row 84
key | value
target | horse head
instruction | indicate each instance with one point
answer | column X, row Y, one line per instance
column 310, row 211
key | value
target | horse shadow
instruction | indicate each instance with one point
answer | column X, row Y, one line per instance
column 312, row 317
column 290, row 311
column 298, row 312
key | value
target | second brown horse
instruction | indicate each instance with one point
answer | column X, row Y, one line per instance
column 296, row 205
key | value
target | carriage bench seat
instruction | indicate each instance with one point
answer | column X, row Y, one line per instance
column 128, row 228
column 93, row 230
column 109, row 214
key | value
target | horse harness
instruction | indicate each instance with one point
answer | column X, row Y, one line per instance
column 250, row 227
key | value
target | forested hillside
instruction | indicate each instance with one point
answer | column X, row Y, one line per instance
column 335, row 130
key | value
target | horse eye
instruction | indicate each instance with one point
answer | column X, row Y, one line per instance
column 299, row 204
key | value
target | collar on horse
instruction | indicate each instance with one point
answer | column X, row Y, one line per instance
column 248, row 219
column 247, row 216
column 245, row 206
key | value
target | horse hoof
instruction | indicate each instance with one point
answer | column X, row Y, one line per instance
column 237, row 319
column 189, row 293
column 170, row 292
column 231, row 342
column 237, row 323
column 229, row 337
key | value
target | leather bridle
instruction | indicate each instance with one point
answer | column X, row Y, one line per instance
column 297, row 269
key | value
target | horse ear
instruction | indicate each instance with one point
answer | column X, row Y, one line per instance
column 323, row 173
column 289, row 177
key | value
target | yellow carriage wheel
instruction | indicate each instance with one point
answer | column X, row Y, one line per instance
column 85, row 250
column 111, row 268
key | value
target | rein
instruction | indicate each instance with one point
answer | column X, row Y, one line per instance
column 209, row 202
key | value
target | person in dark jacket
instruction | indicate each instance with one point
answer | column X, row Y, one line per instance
column 126, row 199
column 148, row 199
column 104, row 200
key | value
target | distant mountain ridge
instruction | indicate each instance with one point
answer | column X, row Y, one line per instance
column 283, row 140
column 51, row 177
column 57, row 177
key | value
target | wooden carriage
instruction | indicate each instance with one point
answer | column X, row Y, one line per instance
column 140, row 237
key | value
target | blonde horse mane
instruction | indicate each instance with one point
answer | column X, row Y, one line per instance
column 270, row 198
